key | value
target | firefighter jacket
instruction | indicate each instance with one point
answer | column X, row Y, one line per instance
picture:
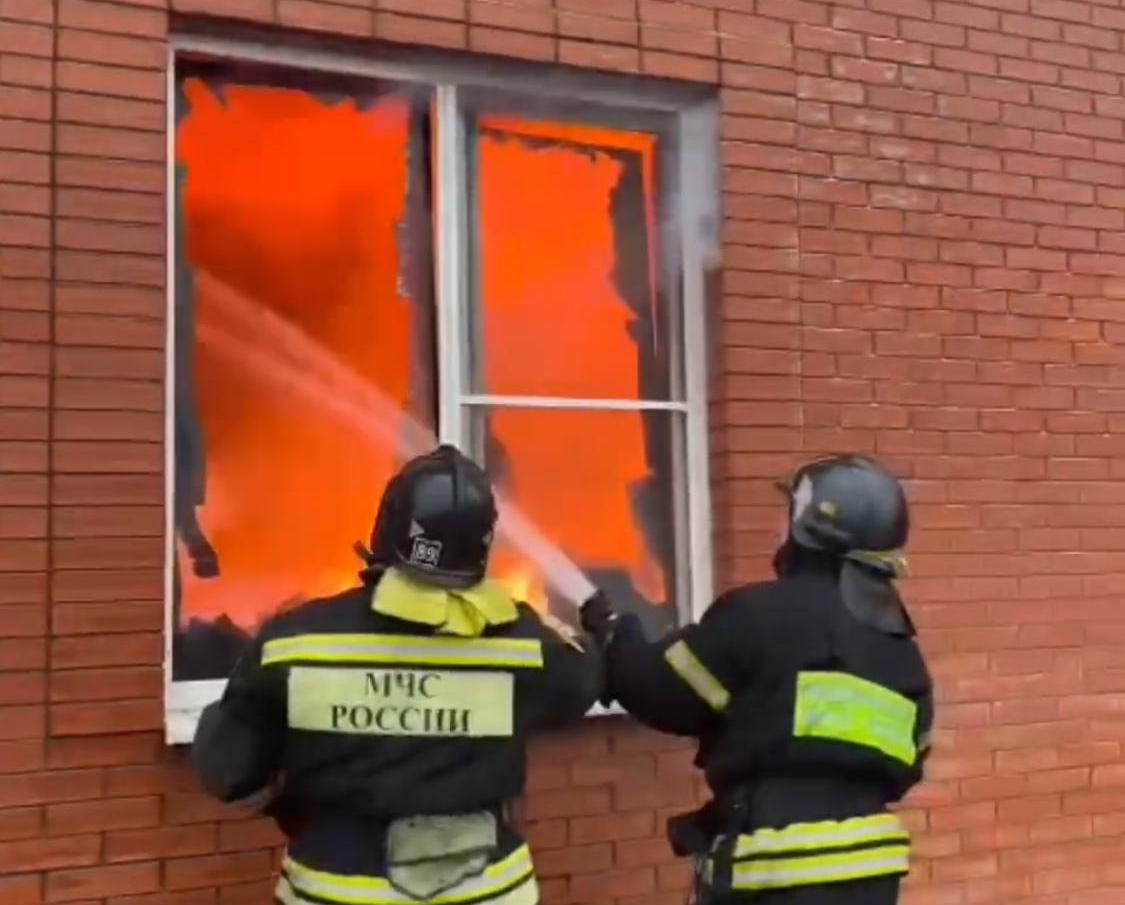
column 392, row 725
column 810, row 722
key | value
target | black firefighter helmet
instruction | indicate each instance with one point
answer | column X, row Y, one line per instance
column 436, row 520
column 850, row 508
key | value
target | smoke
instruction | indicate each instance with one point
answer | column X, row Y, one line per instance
column 307, row 369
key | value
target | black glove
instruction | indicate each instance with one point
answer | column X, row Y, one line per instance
column 599, row 619
column 204, row 559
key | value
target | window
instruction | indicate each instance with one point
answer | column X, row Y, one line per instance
column 369, row 257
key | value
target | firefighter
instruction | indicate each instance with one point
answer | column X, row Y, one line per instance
column 810, row 699
column 386, row 726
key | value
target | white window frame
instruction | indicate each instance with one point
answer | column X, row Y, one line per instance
column 696, row 127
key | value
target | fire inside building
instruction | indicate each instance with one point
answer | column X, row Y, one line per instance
column 638, row 258
column 567, row 217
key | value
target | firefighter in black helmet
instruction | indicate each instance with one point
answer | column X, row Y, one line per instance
column 386, row 726
column 810, row 699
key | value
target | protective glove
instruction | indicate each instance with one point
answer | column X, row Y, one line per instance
column 204, row 559
column 599, row 619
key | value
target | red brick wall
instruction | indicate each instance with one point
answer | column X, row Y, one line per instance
column 925, row 205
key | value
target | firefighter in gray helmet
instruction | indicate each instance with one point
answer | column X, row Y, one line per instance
column 385, row 727
column 810, row 699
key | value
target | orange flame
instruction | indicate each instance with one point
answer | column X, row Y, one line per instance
column 296, row 203
column 555, row 324
column 524, row 584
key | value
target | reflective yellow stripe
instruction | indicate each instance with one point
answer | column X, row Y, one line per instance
column 405, row 649
column 846, row 708
column 824, row 834
column 698, row 677
column 782, row 873
column 525, row 893
column 507, row 882
column 895, row 560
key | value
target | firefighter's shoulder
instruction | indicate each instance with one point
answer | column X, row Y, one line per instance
column 776, row 608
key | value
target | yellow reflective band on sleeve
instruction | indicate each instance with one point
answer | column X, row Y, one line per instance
column 418, row 650
column 823, row 834
column 783, row 873
column 845, row 708
column 510, row 881
column 698, row 677
column 401, row 702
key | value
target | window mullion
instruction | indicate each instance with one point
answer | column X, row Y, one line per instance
column 698, row 179
column 451, row 262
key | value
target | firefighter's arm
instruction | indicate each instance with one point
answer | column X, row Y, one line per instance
column 238, row 741
column 572, row 677
column 924, row 726
column 681, row 683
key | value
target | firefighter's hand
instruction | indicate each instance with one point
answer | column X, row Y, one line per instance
column 599, row 618
column 204, row 559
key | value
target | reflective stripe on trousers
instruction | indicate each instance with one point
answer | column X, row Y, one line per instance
column 802, row 854
column 510, row 881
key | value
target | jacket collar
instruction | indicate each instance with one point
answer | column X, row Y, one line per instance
column 465, row 612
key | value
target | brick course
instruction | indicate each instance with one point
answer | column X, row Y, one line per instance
column 923, row 258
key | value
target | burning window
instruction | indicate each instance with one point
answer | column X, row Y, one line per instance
column 303, row 287
column 570, row 308
column 308, row 364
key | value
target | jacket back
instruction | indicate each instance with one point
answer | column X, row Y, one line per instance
column 812, row 710
column 363, row 714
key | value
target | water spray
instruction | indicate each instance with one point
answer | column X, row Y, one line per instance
column 310, row 370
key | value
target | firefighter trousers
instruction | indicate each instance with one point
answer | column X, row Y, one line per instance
column 876, row 891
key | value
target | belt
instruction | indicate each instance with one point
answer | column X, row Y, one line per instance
column 804, row 854
column 510, row 881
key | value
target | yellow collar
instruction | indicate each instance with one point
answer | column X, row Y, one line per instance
column 894, row 560
column 466, row 612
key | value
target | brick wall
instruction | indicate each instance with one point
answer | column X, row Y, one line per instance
column 925, row 211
